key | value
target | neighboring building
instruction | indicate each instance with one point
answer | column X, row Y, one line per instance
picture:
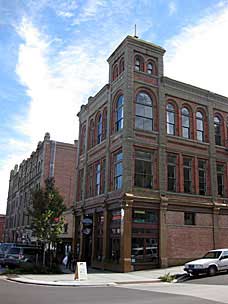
column 2, row 227
column 51, row 159
column 152, row 186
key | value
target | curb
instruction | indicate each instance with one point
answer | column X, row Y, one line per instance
column 138, row 282
column 58, row 284
column 79, row 284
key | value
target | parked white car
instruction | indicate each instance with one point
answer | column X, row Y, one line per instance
column 214, row 261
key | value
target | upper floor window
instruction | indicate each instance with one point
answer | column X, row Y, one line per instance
column 90, row 181
column 80, row 184
column 144, row 112
column 115, row 72
column 104, row 124
column 143, row 169
column 220, row 180
column 202, row 177
column 91, row 134
column 185, row 115
column 119, row 113
column 82, row 145
column 217, row 126
column 172, row 173
column 99, row 129
column 138, row 63
column 121, row 65
column 65, row 228
column 118, row 170
column 150, row 68
column 98, row 179
column 199, row 126
column 170, row 122
column 187, row 175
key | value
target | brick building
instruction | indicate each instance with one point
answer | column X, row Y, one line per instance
column 152, row 171
column 51, row 159
column 2, row 227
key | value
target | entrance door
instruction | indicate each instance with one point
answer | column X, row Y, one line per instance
column 87, row 239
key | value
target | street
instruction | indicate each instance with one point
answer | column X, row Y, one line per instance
column 219, row 279
column 12, row 293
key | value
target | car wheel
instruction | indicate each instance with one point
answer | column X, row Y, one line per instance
column 212, row 270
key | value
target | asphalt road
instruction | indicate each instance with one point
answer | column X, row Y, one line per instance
column 14, row 293
column 219, row 279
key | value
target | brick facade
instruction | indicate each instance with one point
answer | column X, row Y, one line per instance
column 164, row 197
column 51, row 159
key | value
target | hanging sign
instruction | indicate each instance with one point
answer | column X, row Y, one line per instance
column 81, row 271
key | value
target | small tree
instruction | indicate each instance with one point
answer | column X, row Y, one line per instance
column 46, row 212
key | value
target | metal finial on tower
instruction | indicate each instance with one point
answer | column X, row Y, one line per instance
column 135, row 33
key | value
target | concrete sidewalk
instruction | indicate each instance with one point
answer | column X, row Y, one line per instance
column 98, row 278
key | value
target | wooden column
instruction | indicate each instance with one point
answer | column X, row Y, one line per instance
column 81, row 254
column 125, row 237
column 74, row 236
column 94, row 237
column 163, row 233
column 105, row 235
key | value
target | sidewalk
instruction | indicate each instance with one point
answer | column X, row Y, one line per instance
column 98, row 278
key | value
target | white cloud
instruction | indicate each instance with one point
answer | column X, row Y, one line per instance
column 56, row 86
column 172, row 8
column 197, row 55
column 90, row 9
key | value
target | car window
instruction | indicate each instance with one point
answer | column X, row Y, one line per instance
column 14, row 250
column 225, row 255
column 212, row 255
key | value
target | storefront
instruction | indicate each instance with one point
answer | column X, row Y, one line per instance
column 112, row 239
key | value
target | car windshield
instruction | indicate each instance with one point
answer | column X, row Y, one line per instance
column 212, row 255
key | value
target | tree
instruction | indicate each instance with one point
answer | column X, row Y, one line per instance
column 46, row 213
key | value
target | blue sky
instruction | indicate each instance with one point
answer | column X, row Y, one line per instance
column 53, row 57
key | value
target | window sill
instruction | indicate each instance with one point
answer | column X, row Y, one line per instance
column 146, row 131
column 146, row 74
column 187, row 139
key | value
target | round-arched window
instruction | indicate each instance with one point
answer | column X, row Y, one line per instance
column 119, row 113
column 217, row 127
column 144, row 112
column 199, row 126
column 185, row 116
column 170, row 119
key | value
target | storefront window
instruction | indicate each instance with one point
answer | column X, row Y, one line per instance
column 114, row 236
column 145, row 236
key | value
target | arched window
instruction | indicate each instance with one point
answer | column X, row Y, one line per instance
column 91, row 134
column 99, row 129
column 217, row 126
column 119, row 113
column 144, row 112
column 170, row 119
column 115, row 72
column 82, row 146
column 121, row 68
column 104, row 123
column 138, row 63
column 199, row 126
column 185, row 122
column 150, row 68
